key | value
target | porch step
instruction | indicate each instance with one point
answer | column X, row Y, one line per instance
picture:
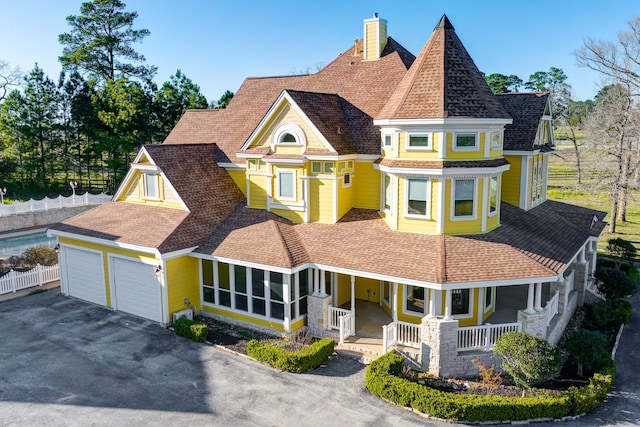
column 368, row 348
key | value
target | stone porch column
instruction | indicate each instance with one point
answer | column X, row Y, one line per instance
column 439, row 345
column 317, row 314
column 533, row 323
column 580, row 280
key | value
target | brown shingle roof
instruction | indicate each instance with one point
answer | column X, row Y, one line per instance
column 443, row 82
column 441, row 164
column 526, row 245
column 206, row 189
column 527, row 110
column 365, row 84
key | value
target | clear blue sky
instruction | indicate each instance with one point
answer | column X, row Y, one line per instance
column 219, row 43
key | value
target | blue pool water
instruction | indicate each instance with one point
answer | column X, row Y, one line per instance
column 16, row 245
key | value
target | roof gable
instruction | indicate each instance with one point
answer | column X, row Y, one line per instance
column 443, row 82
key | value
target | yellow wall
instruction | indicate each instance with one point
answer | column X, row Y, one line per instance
column 367, row 180
column 105, row 259
column 286, row 114
column 183, row 281
column 372, row 46
column 294, row 216
column 415, row 225
column 321, row 200
column 134, row 192
column 367, row 289
column 462, row 226
column 276, row 326
column 403, row 153
column 511, row 181
column 299, row 183
column 345, row 195
column 344, row 289
column 476, row 154
column 239, row 176
column 258, row 191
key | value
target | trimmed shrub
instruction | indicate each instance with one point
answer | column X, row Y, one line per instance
column 611, row 314
column 527, row 359
column 299, row 361
column 197, row 331
column 613, row 283
column 383, row 379
column 621, row 249
column 589, row 349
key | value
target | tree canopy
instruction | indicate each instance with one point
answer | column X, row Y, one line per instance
column 101, row 41
column 499, row 83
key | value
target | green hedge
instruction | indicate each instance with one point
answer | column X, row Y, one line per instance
column 384, row 379
column 303, row 360
column 197, row 331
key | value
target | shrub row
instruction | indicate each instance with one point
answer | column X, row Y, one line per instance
column 197, row 331
column 303, row 360
column 384, row 379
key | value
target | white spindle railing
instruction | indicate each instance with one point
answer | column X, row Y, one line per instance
column 552, row 307
column 38, row 276
column 388, row 337
column 346, row 326
column 56, row 203
column 483, row 337
column 334, row 316
column 401, row 333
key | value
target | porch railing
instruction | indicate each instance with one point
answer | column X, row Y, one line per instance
column 334, row 316
column 401, row 333
column 346, row 326
column 484, row 337
column 552, row 307
column 38, row 276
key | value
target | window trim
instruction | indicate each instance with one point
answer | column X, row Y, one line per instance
column 494, row 145
column 288, row 128
column 469, row 313
column 319, row 163
column 387, row 205
column 346, row 177
column 427, row 214
column 382, row 285
column 474, row 215
column 405, row 293
column 454, row 141
column 384, row 144
column 497, row 195
column 156, row 186
column 428, row 147
column 279, row 173
column 493, row 298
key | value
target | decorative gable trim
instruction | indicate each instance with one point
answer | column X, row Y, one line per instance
column 283, row 98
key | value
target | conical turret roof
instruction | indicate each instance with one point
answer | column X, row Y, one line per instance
column 443, row 82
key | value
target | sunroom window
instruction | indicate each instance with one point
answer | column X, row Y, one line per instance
column 464, row 191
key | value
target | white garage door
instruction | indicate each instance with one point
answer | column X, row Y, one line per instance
column 84, row 275
column 136, row 288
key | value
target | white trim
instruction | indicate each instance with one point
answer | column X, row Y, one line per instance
column 470, row 307
column 425, row 300
column 176, row 254
column 427, row 215
column 485, row 204
column 520, row 152
column 443, row 172
column 335, row 198
column 441, row 185
column 497, row 211
column 472, row 217
column 454, row 141
column 443, row 121
column 103, row 242
column 276, row 161
column 290, row 128
column 418, row 133
column 284, row 96
column 344, row 176
column 486, row 307
column 524, row 182
column 299, row 207
column 293, row 172
column 228, row 165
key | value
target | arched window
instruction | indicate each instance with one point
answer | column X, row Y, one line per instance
column 288, row 133
column 288, row 138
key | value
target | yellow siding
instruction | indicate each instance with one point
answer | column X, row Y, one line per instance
column 287, row 114
column 403, row 153
column 289, row 149
column 183, row 281
column 134, row 193
column 239, row 176
column 477, row 154
column 462, row 226
column 276, row 326
column 511, row 181
column 415, row 225
column 258, row 191
column 299, row 184
column 383, row 35
column 294, row 216
column 298, row 324
column 105, row 259
column 372, row 46
column 408, row 317
column 345, row 195
column 321, row 200
column 367, row 182
column 344, row 289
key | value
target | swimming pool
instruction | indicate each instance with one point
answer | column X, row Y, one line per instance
column 16, row 245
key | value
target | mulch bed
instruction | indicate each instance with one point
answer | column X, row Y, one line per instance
column 232, row 337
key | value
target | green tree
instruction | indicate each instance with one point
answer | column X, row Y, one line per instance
column 500, row 83
column 528, row 359
column 101, row 41
column 613, row 283
column 173, row 98
column 621, row 249
column 589, row 348
column 554, row 81
column 224, row 100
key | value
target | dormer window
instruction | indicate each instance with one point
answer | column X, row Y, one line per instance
column 288, row 134
column 150, row 186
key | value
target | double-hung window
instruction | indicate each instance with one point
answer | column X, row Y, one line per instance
column 417, row 197
column 414, row 299
column 493, row 195
column 150, row 185
column 460, row 302
column 464, row 198
column 287, row 185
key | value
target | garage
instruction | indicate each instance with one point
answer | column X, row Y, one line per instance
column 136, row 288
column 83, row 275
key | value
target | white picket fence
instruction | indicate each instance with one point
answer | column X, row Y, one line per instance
column 38, row 276
column 56, row 203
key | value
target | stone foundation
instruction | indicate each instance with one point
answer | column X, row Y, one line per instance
column 534, row 324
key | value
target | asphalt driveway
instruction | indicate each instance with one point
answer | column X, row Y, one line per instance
column 64, row 362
